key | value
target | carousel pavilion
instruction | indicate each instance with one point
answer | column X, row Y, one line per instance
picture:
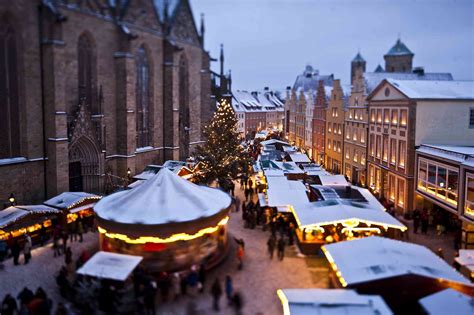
column 171, row 222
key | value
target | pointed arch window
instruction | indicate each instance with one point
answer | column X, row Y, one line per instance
column 9, row 104
column 86, row 71
column 143, row 99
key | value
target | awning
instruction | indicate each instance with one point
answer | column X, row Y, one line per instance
column 13, row 214
column 322, row 213
column 112, row 266
column 84, row 207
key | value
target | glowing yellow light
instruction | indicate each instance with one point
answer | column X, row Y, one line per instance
column 171, row 239
column 284, row 302
column 334, row 266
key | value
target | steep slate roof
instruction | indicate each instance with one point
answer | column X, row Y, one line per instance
column 379, row 69
column 372, row 79
column 309, row 79
column 417, row 89
column 358, row 58
column 399, row 49
column 244, row 101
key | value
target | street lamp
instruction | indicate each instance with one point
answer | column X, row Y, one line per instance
column 11, row 199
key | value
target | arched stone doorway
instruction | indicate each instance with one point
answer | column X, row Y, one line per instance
column 84, row 166
column 85, row 158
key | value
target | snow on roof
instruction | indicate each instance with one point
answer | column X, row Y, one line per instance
column 375, row 258
column 399, row 49
column 460, row 154
column 309, row 80
column 448, row 301
column 331, row 302
column 282, row 183
column 112, row 266
column 322, row 213
column 244, row 101
column 333, row 180
column 160, row 8
column 273, row 141
column 372, row 79
column 422, row 89
column 286, row 197
column 288, row 167
column 273, row 173
column 14, row 213
column 67, row 200
column 162, row 199
column 466, row 258
column 298, row 157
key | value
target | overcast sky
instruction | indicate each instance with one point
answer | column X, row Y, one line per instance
column 269, row 42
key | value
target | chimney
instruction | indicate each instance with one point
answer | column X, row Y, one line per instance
column 288, row 87
column 419, row 71
column 266, row 88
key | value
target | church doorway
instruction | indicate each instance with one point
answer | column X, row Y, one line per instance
column 84, row 166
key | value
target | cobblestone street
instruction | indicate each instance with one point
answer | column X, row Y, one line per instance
column 257, row 282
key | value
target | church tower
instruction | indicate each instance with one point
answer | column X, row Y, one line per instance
column 399, row 58
column 358, row 63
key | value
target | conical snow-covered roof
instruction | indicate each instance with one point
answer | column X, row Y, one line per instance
column 399, row 49
column 163, row 199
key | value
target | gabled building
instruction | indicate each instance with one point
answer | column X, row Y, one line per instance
column 323, row 95
column 257, row 111
column 335, row 115
column 405, row 114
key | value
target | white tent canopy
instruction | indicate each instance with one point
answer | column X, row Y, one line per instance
column 164, row 198
column 68, row 200
column 321, row 213
column 298, row 157
column 112, row 266
column 333, row 180
column 280, row 197
column 448, row 301
column 330, row 302
column 273, row 141
column 375, row 258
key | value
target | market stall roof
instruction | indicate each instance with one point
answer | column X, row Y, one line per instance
column 330, row 302
column 286, row 197
column 112, row 266
column 288, row 167
column 273, row 141
column 374, row 258
column 448, row 301
column 68, row 200
column 164, row 198
column 273, row 173
column 283, row 183
column 322, row 213
column 12, row 214
column 333, row 180
column 466, row 257
column 298, row 157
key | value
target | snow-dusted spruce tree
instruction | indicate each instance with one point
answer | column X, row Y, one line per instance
column 222, row 154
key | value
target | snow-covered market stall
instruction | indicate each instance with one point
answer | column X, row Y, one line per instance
column 74, row 205
column 169, row 221
column 36, row 220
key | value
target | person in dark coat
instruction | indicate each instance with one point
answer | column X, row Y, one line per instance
column 16, row 249
column 9, row 306
column 281, row 248
column 25, row 296
column 68, row 256
column 229, row 289
column 202, row 277
column 237, row 302
column 424, row 221
column 149, row 298
column 271, row 243
column 216, row 291
column 416, row 220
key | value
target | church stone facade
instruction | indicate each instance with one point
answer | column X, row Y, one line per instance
column 91, row 88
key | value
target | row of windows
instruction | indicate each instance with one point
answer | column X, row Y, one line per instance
column 381, row 150
column 334, row 145
column 356, row 114
column 355, row 134
column 386, row 116
column 396, row 185
column 358, row 157
column 335, row 128
column 439, row 180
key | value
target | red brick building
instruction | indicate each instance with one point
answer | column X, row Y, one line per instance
column 96, row 87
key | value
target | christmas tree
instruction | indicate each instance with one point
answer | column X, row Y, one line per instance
column 222, row 154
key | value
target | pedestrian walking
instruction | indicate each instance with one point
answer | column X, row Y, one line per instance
column 232, row 188
column 416, row 220
column 80, row 230
column 237, row 303
column 16, row 252
column 73, row 231
column 27, row 248
column 56, row 246
column 281, row 248
column 216, row 292
column 424, row 219
column 240, row 257
column 149, row 298
column 68, row 256
column 9, row 306
column 229, row 289
column 175, row 284
column 202, row 277
column 271, row 243
column 247, row 193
